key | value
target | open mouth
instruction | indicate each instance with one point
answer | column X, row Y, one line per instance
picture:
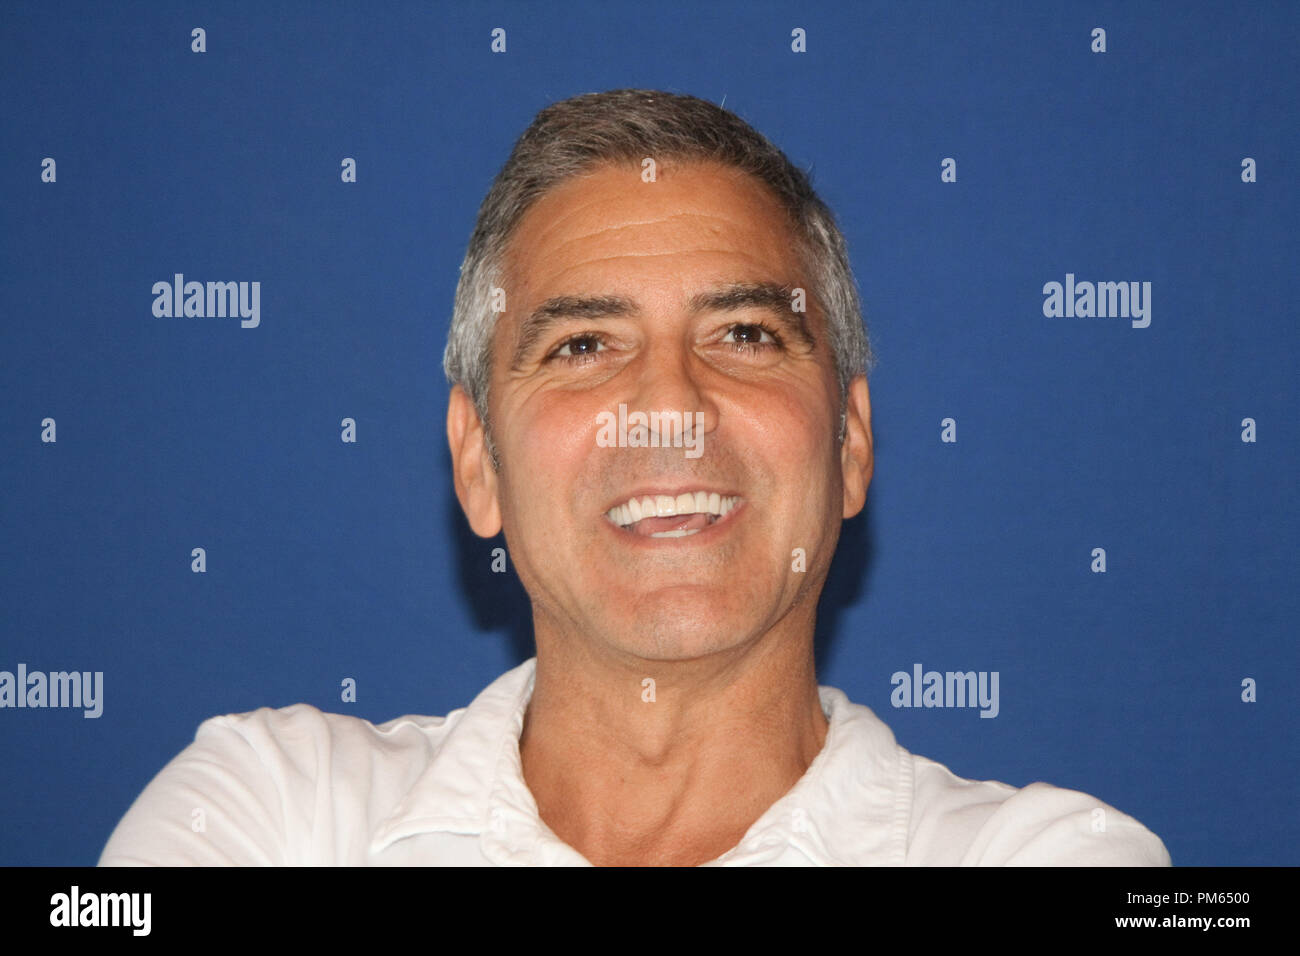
column 672, row 516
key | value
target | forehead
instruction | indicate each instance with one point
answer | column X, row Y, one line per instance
column 611, row 225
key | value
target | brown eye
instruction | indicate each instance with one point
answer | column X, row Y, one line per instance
column 579, row 346
column 748, row 336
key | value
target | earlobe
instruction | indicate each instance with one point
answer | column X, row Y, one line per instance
column 857, row 457
column 471, row 466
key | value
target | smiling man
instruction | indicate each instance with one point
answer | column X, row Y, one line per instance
column 671, row 294
column 649, row 259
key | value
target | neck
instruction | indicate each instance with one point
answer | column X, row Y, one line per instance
column 673, row 772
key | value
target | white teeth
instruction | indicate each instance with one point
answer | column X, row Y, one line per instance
column 667, row 506
column 674, row 534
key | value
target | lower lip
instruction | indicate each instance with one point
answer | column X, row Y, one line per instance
column 704, row 535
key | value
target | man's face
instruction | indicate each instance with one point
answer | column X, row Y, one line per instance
column 630, row 273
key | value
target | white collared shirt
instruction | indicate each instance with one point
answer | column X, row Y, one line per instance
column 297, row 786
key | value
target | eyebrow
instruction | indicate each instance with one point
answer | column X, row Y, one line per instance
column 772, row 297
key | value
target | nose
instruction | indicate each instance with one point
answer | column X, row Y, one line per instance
column 669, row 381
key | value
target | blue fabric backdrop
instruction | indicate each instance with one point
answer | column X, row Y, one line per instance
column 328, row 560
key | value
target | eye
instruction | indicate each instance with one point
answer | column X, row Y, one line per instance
column 579, row 348
column 750, row 336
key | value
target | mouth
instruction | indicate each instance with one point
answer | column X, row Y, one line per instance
column 672, row 516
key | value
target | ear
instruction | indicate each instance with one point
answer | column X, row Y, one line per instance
column 471, row 466
column 857, row 460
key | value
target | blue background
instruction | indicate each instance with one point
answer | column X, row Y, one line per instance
column 328, row 560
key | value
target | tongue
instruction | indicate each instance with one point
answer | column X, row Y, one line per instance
column 649, row 526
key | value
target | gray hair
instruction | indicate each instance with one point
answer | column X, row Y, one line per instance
column 575, row 135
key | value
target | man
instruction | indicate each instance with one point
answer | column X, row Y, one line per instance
column 646, row 261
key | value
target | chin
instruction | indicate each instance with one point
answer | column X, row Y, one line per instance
column 675, row 636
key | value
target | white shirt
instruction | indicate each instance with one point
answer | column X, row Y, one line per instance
column 297, row 786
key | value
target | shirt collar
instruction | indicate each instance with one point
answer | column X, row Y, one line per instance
column 849, row 808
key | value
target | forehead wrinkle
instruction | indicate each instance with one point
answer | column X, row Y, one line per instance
column 603, row 229
column 731, row 214
column 567, row 207
column 742, row 195
column 630, row 254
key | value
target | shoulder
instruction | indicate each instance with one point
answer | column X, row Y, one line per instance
column 298, row 786
column 960, row 822
column 909, row 809
column 305, row 738
column 275, row 786
column 300, row 748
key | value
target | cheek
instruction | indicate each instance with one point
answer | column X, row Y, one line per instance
column 551, row 445
column 798, row 444
column 795, row 431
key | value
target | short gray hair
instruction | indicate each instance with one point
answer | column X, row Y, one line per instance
column 571, row 137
